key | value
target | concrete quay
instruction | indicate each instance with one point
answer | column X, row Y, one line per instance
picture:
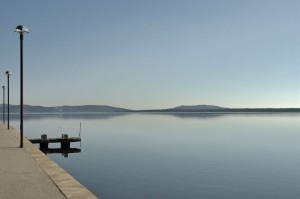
column 27, row 173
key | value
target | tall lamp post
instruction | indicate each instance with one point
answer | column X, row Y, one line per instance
column 8, row 74
column 3, row 87
column 21, row 30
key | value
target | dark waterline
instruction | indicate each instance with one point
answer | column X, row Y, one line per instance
column 179, row 155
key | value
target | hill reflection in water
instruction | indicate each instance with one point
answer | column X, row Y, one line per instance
column 107, row 115
column 36, row 116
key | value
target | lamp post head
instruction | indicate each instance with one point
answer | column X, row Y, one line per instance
column 8, row 73
column 21, row 29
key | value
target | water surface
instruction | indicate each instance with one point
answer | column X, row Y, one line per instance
column 186, row 155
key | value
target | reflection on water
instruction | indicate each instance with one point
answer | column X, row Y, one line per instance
column 86, row 116
column 182, row 155
column 63, row 151
column 190, row 115
column 109, row 115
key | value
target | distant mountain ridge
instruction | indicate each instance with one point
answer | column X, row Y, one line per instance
column 66, row 109
column 198, row 107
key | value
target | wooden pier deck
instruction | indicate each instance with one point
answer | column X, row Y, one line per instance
column 28, row 173
column 64, row 141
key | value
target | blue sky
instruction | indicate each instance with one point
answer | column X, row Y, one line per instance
column 154, row 54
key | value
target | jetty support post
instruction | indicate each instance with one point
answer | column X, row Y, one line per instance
column 44, row 145
column 65, row 144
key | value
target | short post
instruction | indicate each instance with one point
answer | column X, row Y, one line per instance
column 65, row 144
column 44, row 136
column 44, row 144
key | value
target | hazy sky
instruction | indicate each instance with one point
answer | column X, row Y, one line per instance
column 154, row 53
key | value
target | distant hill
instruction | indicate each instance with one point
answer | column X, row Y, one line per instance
column 66, row 109
column 198, row 107
column 191, row 108
column 90, row 108
column 217, row 109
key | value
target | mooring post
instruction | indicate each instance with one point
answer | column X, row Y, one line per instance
column 44, row 145
column 65, row 144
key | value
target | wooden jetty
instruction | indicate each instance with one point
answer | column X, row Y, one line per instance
column 64, row 141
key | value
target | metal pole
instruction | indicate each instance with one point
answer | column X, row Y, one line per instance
column 21, row 88
column 3, row 87
column 8, row 101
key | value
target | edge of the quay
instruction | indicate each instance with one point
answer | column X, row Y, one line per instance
column 67, row 184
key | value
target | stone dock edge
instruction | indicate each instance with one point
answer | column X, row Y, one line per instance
column 68, row 185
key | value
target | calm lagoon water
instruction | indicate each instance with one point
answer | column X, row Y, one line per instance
column 187, row 155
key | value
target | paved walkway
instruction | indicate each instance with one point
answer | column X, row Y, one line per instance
column 28, row 173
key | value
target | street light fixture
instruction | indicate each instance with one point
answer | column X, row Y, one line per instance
column 8, row 74
column 21, row 30
column 3, row 87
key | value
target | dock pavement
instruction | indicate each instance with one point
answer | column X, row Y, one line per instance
column 27, row 173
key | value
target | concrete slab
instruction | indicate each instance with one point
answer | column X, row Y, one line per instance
column 29, row 173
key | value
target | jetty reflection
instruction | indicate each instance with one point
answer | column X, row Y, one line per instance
column 63, row 151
